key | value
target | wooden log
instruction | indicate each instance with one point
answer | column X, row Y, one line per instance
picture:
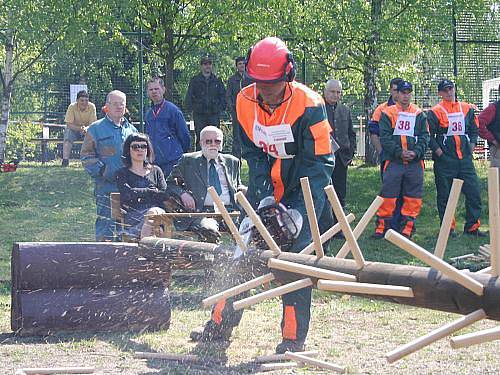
column 363, row 288
column 449, row 213
column 475, row 338
column 281, row 357
column 311, row 216
column 316, row 272
column 276, row 292
column 361, row 226
column 494, row 212
column 227, row 219
column 58, row 370
column 435, row 335
column 242, row 200
column 277, row 366
column 346, row 229
column 309, row 249
column 462, row 257
column 314, row 362
column 234, row 291
column 434, row 262
column 168, row 356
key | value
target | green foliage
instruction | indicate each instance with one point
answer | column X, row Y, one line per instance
column 18, row 141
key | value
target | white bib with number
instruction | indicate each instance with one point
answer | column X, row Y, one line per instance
column 272, row 139
column 405, row 124
column 456, row 122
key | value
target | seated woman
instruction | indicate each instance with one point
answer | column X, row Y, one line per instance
column 141, row 184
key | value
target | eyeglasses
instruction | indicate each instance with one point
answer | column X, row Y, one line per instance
column 211, row 141
column 141, row 146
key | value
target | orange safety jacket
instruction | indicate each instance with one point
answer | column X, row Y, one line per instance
column 308, row 154
column 456, row 146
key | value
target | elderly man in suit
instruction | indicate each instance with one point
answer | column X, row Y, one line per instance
column 339, row 117
column 196, row 171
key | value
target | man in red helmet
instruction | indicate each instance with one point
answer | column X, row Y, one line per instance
column 285, row 136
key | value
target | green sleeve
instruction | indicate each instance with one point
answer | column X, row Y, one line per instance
column 390, row 145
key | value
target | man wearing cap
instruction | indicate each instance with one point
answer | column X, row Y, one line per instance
column 285, row 136
column 489, row 129
column 205, row 98
column 454, row 130
column 404, row 138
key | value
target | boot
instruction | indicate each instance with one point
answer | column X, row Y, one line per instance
column 290, row 346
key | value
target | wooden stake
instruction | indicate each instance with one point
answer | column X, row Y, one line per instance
column 346, row 229
column 277, row 366
column 227, row 219
column 435, row 335
column 279, row 291
column 309, row 249
column 58, row 370
column 281, row 357
column 449, row 213
column 168, row 356
column 475, row 338
column 242, row 200
column 363, row 223
column 434, row 262
column 314, row 362
column 234, row 291
column 494, row 211
column 316, row 272
column 311, row 216
column 365, row 288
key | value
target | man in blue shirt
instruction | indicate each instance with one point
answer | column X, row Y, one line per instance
column 101, row 157
column 166, row 127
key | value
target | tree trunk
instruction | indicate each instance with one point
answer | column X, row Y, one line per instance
column 370, row 77
column 169, row 66
column 7, row 92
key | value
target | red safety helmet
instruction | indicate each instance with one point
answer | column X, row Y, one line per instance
column 270, row 61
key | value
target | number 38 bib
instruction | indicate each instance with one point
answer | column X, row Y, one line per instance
column 405, row 124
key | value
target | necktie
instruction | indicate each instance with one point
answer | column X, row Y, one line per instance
column 213, row 177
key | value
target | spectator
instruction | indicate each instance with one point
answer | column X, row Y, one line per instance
column 234, row 84
column 166, row 127
column 101, row 157
column 79, row 116
column 205, row 98
column 196, row 171
column 404, row 138
column 489, row 129
column 454, row 130
column 141, row 184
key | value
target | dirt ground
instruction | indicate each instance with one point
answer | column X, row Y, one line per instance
column 348, row 331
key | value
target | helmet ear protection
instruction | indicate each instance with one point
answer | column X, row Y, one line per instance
column 289, row 68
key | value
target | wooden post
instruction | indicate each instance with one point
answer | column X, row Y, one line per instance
column 363, row 223
column 365, row 288
column 435, row 335
column 234, row 291
column 434, row 262
column 311, row 216
column 277, row 366
column 346, row 229
column 279, row 291
column 316, row 272
column 314, row 362
column 475, row 338
column 168, row 356
column 242, row 200
column 281, row 357
column 227, row 219
column 58, row 370
column 309, row 249
column 444, row 232
column 494, row 211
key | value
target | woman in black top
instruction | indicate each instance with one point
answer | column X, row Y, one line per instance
column 141, row 184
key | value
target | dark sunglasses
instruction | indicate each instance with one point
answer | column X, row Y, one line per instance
column 139, row 147
column 211, row 141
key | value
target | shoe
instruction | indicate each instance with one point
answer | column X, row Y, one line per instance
column 378, row 236
column 209, row 334
column 65, row 163
column 290, row 346
column 453, row 234
column 476, row 233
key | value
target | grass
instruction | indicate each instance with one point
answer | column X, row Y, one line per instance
column 49, row 203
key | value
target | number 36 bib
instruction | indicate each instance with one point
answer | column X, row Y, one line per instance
column 405, row 124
